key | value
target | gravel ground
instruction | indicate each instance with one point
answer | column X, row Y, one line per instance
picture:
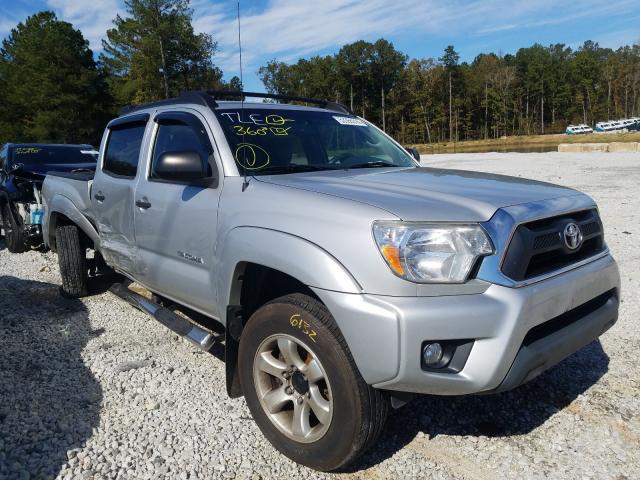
column 95, row 389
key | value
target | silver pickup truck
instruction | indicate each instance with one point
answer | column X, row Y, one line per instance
column 345, row 275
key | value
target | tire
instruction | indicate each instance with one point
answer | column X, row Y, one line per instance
column 13, row 234
column 72, row 259
column 351, row 414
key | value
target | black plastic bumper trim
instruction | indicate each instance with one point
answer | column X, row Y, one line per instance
column 543, row 353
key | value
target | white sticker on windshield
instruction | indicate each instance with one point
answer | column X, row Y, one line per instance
column 350, row 121
column 89, row 152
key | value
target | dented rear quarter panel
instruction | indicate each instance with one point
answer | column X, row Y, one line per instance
column 71, row 198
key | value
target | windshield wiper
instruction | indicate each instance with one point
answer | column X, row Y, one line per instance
column 376, row 164
column 293, row 167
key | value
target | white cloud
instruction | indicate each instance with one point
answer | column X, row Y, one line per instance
column 498, row 28
column 288, row 29
column 93, row 18
column 5, row 27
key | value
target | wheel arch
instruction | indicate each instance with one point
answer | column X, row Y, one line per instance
column 261, row 265
column 62, row 211
column 294, row 256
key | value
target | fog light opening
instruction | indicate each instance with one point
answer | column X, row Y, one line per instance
column 444, row 356
column 432, row 354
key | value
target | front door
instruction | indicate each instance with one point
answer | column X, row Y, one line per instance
column 112, row 192
column 176, row 221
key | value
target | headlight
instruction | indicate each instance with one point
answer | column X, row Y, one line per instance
column 431, row 252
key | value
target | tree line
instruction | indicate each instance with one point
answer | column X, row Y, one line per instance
column 539, row 89
column 53, row 89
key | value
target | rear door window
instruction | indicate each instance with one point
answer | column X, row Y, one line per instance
column 122, row 152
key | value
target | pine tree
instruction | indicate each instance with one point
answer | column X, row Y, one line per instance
column 154, row 52
column 51, row 87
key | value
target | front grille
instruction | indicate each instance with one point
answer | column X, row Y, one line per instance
column 548, row 240
column 538, row 247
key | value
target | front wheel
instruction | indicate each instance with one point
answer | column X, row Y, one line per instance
column 302, row 386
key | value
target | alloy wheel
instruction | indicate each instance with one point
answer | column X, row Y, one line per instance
column 293, row 388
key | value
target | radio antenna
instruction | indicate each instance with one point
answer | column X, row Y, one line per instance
column 245, row 183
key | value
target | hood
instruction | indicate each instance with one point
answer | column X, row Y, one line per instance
column 39, row 170
column 425, row 194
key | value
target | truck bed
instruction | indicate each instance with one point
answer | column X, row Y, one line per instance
column 83, row 176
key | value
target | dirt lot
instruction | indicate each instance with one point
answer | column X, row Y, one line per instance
column 95, row 389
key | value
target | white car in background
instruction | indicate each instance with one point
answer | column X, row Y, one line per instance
column 578, row 129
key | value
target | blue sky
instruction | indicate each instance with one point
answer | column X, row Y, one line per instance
column 289, row 29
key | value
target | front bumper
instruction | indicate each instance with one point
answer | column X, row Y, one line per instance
column 385, row 334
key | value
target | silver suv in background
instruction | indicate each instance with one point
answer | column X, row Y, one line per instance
column 345, row 275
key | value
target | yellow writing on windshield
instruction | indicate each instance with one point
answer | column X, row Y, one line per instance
column 256, row 119
column 262, row 131
column 276, row 120
column 251, row 157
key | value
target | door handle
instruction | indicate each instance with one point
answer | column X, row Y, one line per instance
column 143, row 204
column 99, row 197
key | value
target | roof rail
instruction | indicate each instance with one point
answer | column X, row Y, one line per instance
column 208, row 99
column 197, row 97
column 329, row 105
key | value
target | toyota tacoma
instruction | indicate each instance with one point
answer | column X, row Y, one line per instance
column 345, row 275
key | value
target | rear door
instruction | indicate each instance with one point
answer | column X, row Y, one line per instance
column 112, row 193
column 176, row 221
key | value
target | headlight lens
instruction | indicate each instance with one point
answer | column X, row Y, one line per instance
column 431, row 252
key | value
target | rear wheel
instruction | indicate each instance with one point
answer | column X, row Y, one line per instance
column 13, row 233
column 72, row 259
column 302, row 386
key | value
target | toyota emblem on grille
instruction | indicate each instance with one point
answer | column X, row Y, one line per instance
column 572, row 236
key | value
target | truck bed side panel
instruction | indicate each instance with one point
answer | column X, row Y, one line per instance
column 68, row 196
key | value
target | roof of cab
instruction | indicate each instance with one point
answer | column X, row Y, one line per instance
column 213, row 100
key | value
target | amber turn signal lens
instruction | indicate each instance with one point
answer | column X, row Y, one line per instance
column 392, row 255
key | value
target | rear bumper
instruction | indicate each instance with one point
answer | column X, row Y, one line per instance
column 385, row 334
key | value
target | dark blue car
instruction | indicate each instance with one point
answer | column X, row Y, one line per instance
column 23, row 167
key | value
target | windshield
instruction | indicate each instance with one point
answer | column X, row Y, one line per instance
column 53, row 154
column 275, row 141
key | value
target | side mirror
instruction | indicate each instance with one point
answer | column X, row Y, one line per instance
column 182, row 166
column 414, row 152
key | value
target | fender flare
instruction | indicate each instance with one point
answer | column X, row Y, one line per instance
column 297, row 257
column 61, row 205
column 303, row 260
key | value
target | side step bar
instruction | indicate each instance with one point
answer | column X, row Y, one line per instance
column 200, row 337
